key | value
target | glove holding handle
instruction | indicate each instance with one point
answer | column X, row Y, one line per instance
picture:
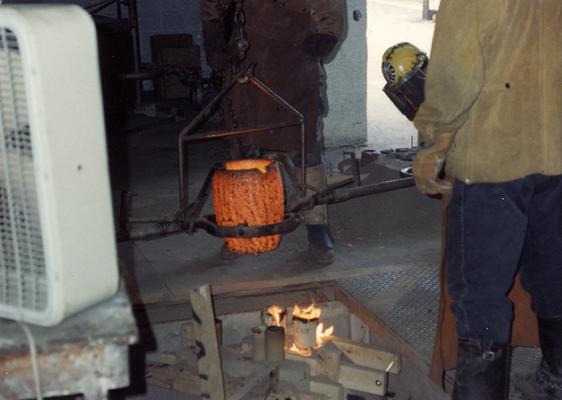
column 428, row 165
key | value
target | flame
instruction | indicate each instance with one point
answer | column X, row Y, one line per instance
column 276, row 312
column 300, row 352
column 308, row 313
column 322, row 335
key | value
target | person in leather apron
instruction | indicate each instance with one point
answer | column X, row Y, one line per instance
column 287, row 41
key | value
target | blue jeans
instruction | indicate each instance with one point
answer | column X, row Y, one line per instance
column 494, row 230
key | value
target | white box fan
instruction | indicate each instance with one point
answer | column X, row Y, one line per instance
column 57, row 244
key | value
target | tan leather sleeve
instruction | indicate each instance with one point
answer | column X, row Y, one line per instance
column 455, row 72
column 328, row 17
column 212, row 12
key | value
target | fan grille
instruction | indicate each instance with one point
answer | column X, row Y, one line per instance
column 22, row 263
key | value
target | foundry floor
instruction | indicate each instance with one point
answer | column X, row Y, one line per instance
column 387, row 247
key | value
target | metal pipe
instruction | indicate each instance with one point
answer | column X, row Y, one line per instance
column 152, row 231
column 134, row 22
column 265, row 89
column 289, row 224
column 345, row 194
column 341, row 195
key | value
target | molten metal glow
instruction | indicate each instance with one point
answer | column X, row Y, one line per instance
column 322, row 335
column 249, row 192
column 247, row 164
column 300, row 352
column 276, row 312
column 308, row 313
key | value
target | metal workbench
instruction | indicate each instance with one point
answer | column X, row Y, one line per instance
column 86, row 354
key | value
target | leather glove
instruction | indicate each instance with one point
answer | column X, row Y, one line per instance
column 428, row 165
column 320, row 44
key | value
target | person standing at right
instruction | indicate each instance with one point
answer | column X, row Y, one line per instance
column 493, row 119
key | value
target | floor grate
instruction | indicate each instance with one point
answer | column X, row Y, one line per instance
column 407, row 302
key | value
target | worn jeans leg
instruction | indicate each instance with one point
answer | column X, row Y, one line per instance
column 541, row 276
column 486, row 234
column 541, row 264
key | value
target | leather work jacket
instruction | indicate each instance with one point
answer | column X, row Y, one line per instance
column 279, row 33
column 495, row 81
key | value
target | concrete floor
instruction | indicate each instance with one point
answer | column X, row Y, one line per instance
column 393, row 236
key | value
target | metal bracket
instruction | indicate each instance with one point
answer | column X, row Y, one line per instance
column 186, row 136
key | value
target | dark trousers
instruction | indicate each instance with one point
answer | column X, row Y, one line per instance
column 494, row 230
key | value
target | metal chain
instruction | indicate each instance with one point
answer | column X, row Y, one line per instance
column 241, row 45
column 240, row 41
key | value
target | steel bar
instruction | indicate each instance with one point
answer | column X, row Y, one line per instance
column 264, row 88
column 190, row 128
column 152, row 231
column 289, row 224
column 341, row 195
column 345, row 194
column 201, row 137
column 194, row 209
column 208, row 224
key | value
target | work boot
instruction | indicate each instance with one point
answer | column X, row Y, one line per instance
column 482, row 374
column 320, row 244
column 546, row 382
column 320, row 240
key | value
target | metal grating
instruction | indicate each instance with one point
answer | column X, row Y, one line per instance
column 22, row 263
column 407, row 302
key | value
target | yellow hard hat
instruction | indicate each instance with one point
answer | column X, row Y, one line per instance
column 400, row 61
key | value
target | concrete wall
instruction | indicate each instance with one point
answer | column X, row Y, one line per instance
column 346, row 123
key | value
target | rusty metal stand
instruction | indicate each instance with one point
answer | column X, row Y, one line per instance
column 86, row 354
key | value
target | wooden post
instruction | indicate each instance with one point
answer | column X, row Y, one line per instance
column 208, row 355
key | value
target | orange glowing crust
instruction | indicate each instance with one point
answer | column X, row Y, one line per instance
column 249, row 192
column 248, row 164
